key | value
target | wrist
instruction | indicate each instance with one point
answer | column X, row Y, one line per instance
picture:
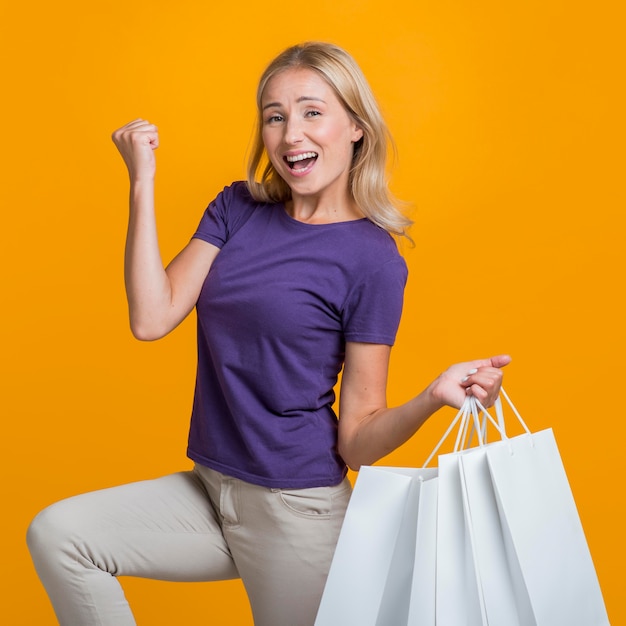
column 141, row 179
column 141, row 189
column 434, row 397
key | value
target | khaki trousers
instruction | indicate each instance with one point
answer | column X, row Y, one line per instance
column 191, row 526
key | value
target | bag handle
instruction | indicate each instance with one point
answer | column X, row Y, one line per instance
column 463, row 416
column 499, row 424
column 470, row 413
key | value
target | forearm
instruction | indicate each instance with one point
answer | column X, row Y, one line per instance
column 368, row 430
column 147, row 286
column 382, row 431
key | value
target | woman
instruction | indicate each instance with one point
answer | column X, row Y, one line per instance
column 294, row 277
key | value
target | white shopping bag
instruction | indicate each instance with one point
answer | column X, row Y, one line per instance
column 415, row 553
column 457, row 596
column 531, row 558
column 490, row 538
column 541, row 524
column 422, row 605
column 456, row 591
column 501, row 588
column 369, row 582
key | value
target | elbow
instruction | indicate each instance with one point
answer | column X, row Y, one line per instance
column 355, row 467
column 146, row 331
column 356, row 452
column 355, row 464
column 358, row 444
column 351, row 459
column 143, row 334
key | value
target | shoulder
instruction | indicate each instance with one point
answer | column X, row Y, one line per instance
column 236, row 194
column 235, row 206
column 226, row 214
column 373, row 246
column 373, row 234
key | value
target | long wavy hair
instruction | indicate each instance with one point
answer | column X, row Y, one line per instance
column 368, row 175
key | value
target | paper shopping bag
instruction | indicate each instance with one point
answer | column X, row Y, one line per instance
column 542, row 528
column 457, row 591
column 422, row 605
column 369, row 582
column 501, row 589
column 532, row 563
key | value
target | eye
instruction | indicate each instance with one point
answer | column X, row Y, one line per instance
column 312, row 113
column 273, row 119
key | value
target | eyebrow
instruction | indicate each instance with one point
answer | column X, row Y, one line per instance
column 269, row 105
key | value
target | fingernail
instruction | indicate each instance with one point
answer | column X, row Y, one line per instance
column 472, row 371
column 465, row 379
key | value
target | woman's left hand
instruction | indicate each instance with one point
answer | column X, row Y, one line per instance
column 481, row 378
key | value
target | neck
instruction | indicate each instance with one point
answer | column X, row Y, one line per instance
column 315, row 210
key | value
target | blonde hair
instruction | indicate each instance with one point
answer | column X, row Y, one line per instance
column 368, row 179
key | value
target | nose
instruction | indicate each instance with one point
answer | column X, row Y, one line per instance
column 293, row 131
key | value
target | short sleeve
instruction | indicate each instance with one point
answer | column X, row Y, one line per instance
column 374, row 306
column 225, row 215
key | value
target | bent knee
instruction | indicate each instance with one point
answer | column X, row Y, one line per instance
column 50, row 528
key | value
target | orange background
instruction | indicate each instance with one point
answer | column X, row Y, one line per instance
column 509, row 120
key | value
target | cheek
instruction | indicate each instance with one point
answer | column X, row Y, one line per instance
column 269, row 141
column 341, row 136
column 341, row 141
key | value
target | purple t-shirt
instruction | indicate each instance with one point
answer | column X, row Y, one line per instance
column 280, row 301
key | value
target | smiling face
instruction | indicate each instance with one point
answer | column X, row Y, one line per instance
column 309, row 136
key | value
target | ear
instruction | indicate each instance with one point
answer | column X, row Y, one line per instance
column 357, row 133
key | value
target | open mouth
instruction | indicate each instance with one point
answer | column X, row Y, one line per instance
column 301, row 161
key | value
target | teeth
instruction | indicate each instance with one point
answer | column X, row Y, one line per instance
column 301, row 157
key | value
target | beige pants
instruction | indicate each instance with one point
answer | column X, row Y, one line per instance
column 191, row 526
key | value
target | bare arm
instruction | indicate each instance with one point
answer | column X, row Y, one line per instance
column 368, row 429
column 158, row 298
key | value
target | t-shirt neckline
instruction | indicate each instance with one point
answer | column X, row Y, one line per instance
column 283, row 209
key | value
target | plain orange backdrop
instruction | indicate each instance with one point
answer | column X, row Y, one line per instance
column 509, row 122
